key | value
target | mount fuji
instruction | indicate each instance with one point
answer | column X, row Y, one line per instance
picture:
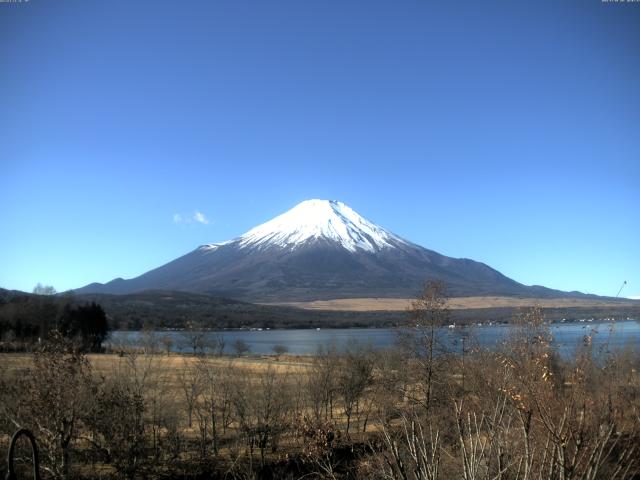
column 320, row 250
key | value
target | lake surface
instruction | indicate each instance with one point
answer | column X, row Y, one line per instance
column 606, row 337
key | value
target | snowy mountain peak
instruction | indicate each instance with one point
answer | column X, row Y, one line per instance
column 321, row 219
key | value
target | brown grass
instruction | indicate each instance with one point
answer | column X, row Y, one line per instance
column 459, row 303
column 172, row 365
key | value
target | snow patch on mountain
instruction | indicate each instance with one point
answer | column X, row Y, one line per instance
column 320, row 219
column 213, row 246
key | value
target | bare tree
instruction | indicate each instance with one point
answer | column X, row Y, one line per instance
column 213, row 402
column 355, row 375
column 414, row 453
column 190, row 381
column 227, row 379
column 167, row 342
column 262, row 410
column 194, row 337
column 241, row 347
column 116, row 421
column 392, row 378
column 149, row 340
column 321, row 382
column 427, row 313
column 217, row 343
column 55, row 394
column 40, row 289
column 280, row 350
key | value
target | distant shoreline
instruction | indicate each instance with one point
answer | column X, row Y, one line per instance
column 467, row 325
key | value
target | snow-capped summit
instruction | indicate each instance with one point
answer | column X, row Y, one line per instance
column 318, row 250
column 320, row 219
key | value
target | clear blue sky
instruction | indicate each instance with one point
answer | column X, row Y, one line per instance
column 507, row 132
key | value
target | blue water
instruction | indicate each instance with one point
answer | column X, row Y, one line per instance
column 606, row 337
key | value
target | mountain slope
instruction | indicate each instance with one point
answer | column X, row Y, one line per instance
column 319, row 250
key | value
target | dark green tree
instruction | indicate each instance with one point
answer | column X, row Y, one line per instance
column 86, row 323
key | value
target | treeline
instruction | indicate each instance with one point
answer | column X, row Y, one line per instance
column 26, row 320
column 415, row 412
column 168, row 310
column 176, row 310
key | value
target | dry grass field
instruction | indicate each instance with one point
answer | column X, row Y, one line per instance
column 170, row 367
column 168, row 380
column 455, row 303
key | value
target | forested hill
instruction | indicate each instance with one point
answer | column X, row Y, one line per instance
column 26, row 319
column 167, row 309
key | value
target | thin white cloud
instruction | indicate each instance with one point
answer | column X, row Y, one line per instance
column 634, row 297
column 200, row 218
column 196, row 217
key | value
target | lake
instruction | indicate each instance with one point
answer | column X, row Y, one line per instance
column 607, row 336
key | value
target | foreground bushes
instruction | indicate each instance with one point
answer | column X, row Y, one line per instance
column 523, row 413
column 413, row 413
